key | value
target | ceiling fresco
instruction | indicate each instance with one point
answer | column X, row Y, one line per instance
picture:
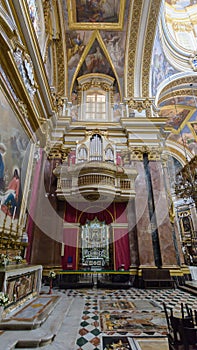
column 161, row 67
column 97, row 11
column 96, row 14
column 92, row 50
column 181, row 4
column 181, row 115
column 96, row 39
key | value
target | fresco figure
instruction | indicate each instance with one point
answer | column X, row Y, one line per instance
column 95, row 62
column 97, row 11
column 10, row 198
column 75, row 49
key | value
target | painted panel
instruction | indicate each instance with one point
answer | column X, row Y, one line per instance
column 13, row 159
column 95, row 13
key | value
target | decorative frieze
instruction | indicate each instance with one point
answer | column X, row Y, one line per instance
column 182, row 27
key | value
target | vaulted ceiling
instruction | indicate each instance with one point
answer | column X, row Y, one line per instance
column 130, row 40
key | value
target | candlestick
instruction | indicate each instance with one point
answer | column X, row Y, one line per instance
column 62, row 250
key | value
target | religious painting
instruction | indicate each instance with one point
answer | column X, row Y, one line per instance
column 14, row 144
column 161, row 68
column 179, row 100
column 94, row 14
column 186, row 138
column 37, row 17
column 76, row 42
column 176, row 116
column 96, row 61
column 115, row 46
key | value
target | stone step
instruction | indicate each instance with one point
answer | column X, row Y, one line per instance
column 36, row 337
column 188, row 289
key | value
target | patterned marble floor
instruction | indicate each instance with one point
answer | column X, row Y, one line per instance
column 90, row 332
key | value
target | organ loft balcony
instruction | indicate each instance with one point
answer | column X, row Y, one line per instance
column 95, row 172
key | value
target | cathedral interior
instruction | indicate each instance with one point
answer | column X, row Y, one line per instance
column 98, row 171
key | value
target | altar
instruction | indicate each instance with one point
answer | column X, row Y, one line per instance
column 20, row 282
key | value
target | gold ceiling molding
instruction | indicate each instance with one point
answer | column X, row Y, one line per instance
column 183, row 27
column 186, row 80
column 173, row 94
column 47, row 19
column 149, row 42
column 60, row 67
column 135, row 20
column 96, row 83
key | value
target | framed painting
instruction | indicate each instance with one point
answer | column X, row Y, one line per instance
column 96, row 14
column 14, row 161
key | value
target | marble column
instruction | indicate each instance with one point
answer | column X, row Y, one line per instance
column 133, row 244
column 143, row 224
column 166, row 234
column 151, row 210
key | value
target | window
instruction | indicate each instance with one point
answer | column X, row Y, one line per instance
column 95, row 106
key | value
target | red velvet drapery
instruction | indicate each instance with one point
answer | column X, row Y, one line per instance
column 114, row 213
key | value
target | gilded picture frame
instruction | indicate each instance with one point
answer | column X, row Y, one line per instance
column 97, row 19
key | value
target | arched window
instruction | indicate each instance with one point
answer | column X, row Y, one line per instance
column 95, row 95
column 95, row 105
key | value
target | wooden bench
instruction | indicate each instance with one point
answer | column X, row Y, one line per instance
column 157, row 278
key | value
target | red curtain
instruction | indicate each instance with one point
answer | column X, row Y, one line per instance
column 115, row 213
column 121, row 246
column 69, row 260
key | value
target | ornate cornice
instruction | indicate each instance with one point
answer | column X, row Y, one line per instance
column 136, row 153
column 186, row 80
column 173, row 94
column 58, row 152
column 142, row 104
column 96, row 83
